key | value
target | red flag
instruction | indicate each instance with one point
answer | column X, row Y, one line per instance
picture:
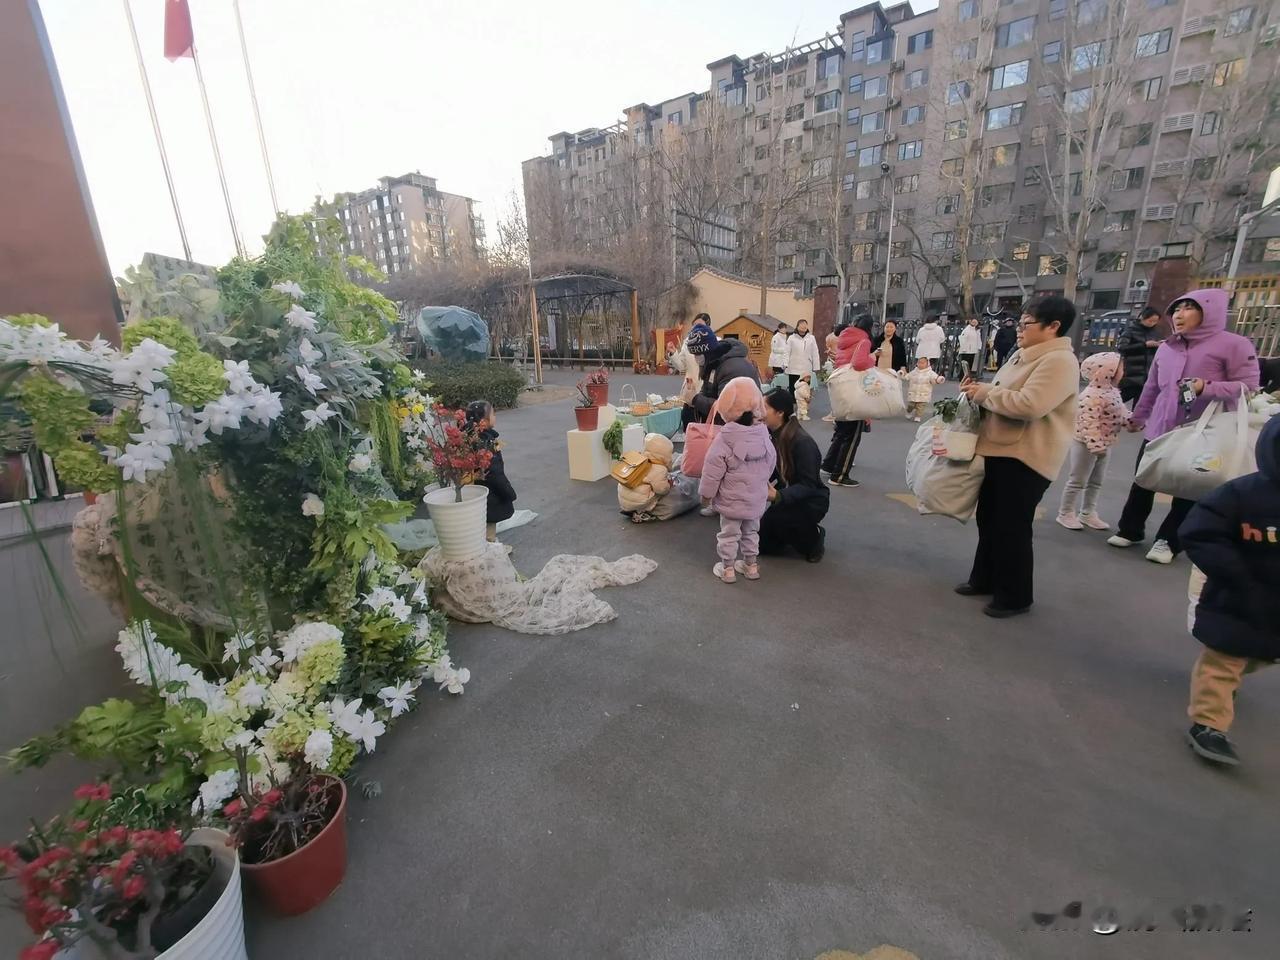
column 178, row 38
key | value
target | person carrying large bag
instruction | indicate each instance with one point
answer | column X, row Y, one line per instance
column 853, row 354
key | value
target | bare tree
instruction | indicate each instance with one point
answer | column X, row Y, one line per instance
column 512, row 246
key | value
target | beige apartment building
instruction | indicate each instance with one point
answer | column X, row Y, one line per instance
column 968, row 154
column 407, row 222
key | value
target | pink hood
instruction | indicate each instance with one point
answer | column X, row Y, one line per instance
column 1099, row 370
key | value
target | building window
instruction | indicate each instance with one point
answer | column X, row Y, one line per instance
column 1005, row 155
column 853, row 116
column 863, row 251
column 1118, row 221
column 851, row 148
column 943, row 240
column 1031, row 176
column 878, row 51
column 1051, row 265
column 968, row 10
column 1021, row 250
column 916, row 78
column 995, row 195
column 792, row 145
column 958, row 92
column 953, row 167
column 875, row 87
column 1138, row 135
column 908, row 184
column 955, row 129
column 829, row 65
column 1028, row 212
column 821, row 167
column 963, row 52
column 903, row 217
column 1078, row 101
column 1106, row 299
column 1088, row 56
column 870, row 156
column 869, row 221
column 1046, row 92
column 998, row 118
column 949, row 203
column 1263, row 251
column 1015, row 32
column 1113, row 262
column 1229, row 72
column 762, row 151
column 1209, row 124
column 793, row 112
column 763, row 91
column 1238, row 21
column 1148, row 89
column 846, row 182
column 911, row 150
column 855, row 83
column 1153, row 44
column 787, row 262
column 827, row 101
column 920, row 42
column 871, row 122
column 762, row 123
column 1090, row 11
column 1188, row 213
column 867, row 189
column 1057, row 9
column 1202, row 168
column 912, row 115
column 857, row 45
column 1051, row 52
column 1010, row 75
column 897, row 279
column 675, row 119
column 983, row 269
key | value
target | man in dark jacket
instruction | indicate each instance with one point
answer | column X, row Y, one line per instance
column 721, row 361
column 1138, row 345
column 1006, row 339
column 1233, row 538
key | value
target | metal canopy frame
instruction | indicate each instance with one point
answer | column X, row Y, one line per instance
column 582, row 291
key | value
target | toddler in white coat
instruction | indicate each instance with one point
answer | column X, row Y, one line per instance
column 920, row 384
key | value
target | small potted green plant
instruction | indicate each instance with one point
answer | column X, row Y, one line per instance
column 587, row 412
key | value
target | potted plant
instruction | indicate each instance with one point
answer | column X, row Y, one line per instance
column 587, row 412
column 597, row 385
column 458, row 455
column 103, row 882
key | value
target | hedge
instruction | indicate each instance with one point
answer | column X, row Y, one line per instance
column 457, row 384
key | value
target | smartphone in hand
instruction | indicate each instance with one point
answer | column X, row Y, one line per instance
column 965, row 373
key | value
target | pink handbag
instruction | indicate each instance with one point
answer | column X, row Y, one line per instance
column 697, row 441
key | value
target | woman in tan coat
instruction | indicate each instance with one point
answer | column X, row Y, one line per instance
column 1026, row 431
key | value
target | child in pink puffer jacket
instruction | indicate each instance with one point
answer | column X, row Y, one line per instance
column 735, row 477
column 1100, row 416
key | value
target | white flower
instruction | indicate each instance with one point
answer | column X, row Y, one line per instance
column 252, row 694
column 300, row 317
column 397, row 698
column 242, row 740
column 305, row 636
column 142, row 367
column 264, row 661
column 319, row 415
column 441, row 668
column 379, row 597
column 400, row 610
column 309, row 380
column 312, row 506
column 157, row 409
column 318, row 749
column 239, row 379
column 263, row 405
column 368, row 730
column 308, row 353
column 232, row 649
column 360, row 463
column 454, row 681
column 221, row 414
column 345, row 716
column 140, row 459
column 215, row 791
column 290, row 287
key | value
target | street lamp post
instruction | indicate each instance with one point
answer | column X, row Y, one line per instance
column 888, row 251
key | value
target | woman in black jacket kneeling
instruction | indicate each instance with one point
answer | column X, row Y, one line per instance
column 798, row 499
column 502, row 496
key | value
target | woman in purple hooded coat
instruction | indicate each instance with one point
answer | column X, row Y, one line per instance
column 1213, row 365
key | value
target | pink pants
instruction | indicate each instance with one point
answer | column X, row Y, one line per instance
column 738, row 536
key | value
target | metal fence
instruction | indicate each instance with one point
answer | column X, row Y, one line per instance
column 1261, row 324
column 949, row 363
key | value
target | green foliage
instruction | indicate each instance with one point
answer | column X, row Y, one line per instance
column 29, row 320
column 195, row 377
column 60, row 417
column 457, row 384
column 167, row 330
column 612, row 439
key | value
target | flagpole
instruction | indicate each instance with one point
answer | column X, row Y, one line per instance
column 257, row 114
column 217, row 153
column 155, row 127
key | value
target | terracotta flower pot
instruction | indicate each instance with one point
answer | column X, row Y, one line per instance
column 599, row 393
column 90, row 498
column 305, row 878
column 588, row 417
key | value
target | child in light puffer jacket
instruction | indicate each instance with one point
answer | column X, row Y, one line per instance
column 804, row 393
column 735, row 477
column 638, row 502
column 1100, row 416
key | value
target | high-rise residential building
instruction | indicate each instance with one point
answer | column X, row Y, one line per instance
column 967, row 156
column 407, row 222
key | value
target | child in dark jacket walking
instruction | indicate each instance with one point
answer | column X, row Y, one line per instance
column 502, row 496
column 1233, row 537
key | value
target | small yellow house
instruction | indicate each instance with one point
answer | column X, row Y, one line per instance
column 756, row 332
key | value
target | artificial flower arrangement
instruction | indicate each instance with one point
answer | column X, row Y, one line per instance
column 94, row 874
column 458, row 453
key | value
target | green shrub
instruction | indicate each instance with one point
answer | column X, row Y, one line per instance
column 457, row 384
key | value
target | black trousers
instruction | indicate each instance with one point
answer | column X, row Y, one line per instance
column 785, row 526
column 843, row 449
column 1003, row 562
column 1133, row 519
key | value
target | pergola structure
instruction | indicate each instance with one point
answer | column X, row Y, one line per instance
column 580, row 293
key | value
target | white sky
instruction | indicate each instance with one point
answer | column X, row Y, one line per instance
column 352, row 90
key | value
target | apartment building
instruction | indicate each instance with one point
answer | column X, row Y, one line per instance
column 984, row 151
column 407, row 222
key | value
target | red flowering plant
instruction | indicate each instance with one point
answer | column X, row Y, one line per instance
column 275, row 823
column 458, row 453
column 93, row 874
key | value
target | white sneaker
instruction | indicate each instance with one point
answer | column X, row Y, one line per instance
column 1094, row 522
column 724, row 573
column 1119, row 541
column 707, row 511
column 750, row 571
column 1070, row 521
column 1160, row 552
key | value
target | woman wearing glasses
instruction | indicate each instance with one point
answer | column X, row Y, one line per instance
column 1024, row 438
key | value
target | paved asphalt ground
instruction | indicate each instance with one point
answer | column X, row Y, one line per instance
column 837, row 756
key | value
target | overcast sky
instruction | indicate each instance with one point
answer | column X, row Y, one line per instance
column 352, row 90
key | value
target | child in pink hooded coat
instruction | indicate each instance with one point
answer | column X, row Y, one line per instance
column 1100, row 415
column 735, row 477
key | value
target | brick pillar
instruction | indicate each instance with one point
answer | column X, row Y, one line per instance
column 825, row 302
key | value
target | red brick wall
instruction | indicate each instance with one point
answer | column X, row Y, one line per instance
column 825, row 302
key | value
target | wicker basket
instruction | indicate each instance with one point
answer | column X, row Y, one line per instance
column 635, row 407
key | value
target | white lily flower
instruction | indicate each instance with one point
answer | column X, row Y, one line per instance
column 243, row 740
column 308, row 352
column 300, row 317
column 309, row 380
column 237, row 644
column 345, row 716
column 263, row 662
column 290, row 287
column 312, row 506
column 368, row 730
column 319, row 415
column 239, row 379
column 454, row 682
column 263, row 405
column 398, row 698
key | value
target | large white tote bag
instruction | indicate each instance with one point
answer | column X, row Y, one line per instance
column 865, row 394
column 1197, row 458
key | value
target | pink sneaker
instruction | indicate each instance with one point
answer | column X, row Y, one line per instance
column 1094, row 522
column 1070, row 521
column 724, row 573
column 749, row 570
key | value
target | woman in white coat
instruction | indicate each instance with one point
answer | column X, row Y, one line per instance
column 778, row 350
column 970, row 346
column 929, row 342
column 802, row 355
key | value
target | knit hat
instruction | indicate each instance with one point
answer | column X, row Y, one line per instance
column 738, row 396
column 701, row 339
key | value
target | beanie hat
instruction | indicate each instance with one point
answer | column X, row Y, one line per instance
column 738, row 396
column 701, row 339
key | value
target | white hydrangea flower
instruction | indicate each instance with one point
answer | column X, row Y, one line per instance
column 215, row 791
column 305, row 636
column 252, row 694
column 298, row 316
column 312, row 506
column 289, row 287
column 308, row 352
column 243, row 740
column 318, row 749
column 309, row 380
column 360, row 463
column 318, row 416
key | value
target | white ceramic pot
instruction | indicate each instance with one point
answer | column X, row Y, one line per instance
column 459, row 525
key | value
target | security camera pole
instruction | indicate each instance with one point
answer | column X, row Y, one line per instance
column 888, row 253
column 1270, row 204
